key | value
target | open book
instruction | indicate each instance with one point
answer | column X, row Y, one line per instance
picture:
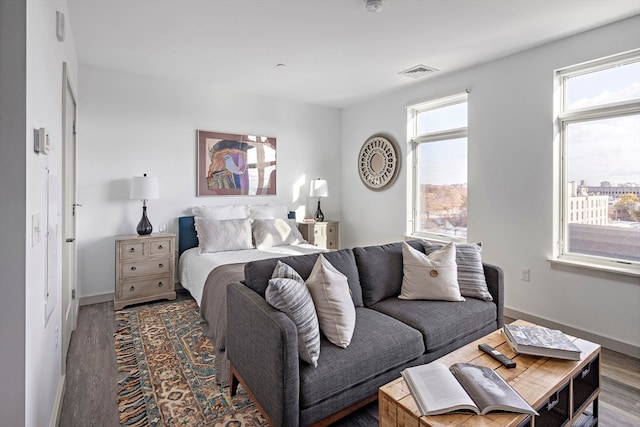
column 463, row 387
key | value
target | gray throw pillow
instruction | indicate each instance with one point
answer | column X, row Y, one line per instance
column 470, row 271
column 288, row 293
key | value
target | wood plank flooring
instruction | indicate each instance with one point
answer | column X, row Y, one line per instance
column 91, row 383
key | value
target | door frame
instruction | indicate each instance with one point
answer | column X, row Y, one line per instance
column 69, row 257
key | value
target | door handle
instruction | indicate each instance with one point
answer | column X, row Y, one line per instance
column 70, row 240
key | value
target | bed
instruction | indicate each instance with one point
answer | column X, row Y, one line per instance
column 206, row 274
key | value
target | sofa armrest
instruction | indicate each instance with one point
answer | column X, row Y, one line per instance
column 262, row 346
column 495, row 282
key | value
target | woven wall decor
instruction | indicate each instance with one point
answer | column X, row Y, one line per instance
column 378, row 162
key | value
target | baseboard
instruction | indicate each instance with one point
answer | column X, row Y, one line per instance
column 57, row 404
column 611, row 344
column 96, row 299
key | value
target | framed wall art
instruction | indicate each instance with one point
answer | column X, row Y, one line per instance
column 235, row 165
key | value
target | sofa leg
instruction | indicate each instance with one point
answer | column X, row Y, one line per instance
column 233, row 381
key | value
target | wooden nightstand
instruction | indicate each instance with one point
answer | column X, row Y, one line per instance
column 324, row 235
column 144, row 269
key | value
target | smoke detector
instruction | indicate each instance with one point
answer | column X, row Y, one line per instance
column 373, row 5
column 418, row 71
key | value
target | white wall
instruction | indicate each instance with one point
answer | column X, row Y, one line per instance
column 32, row 378
column 129, row 125
column 510, row 182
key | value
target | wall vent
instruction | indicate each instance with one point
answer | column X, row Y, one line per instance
column 418, row 71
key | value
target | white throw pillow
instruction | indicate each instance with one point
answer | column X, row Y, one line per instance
column 287, row 292
column 430, row 277
column 276, row 232
column 216, row 235
column 221, row 212
column 470, row 270
column 331, row 295
column 268, row 211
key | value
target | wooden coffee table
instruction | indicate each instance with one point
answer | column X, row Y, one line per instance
column 560, row 390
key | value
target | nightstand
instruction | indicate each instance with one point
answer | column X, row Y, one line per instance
column 324, row 235
column 144, row 269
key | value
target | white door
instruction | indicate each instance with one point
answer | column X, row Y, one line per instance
column 69, row 214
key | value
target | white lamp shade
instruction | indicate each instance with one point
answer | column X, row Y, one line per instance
column 144, row 188
column 318, row 188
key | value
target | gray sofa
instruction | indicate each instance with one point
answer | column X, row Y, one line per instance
column 390, row 335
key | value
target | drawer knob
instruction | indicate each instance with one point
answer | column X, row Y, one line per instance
column 160, row 265
column 132, row 250
column 132, row 288
column 133, row 269
column 159, row 284
column 159, row 246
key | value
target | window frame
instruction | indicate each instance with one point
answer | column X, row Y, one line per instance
column 564, row 118
column 414, row 140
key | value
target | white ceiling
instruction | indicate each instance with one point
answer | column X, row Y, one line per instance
column 335, row 52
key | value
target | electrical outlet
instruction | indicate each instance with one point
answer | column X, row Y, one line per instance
column 525, row 274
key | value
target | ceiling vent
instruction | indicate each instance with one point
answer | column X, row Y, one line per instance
column 418, row 71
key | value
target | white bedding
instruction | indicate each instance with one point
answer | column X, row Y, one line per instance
column 194, row 268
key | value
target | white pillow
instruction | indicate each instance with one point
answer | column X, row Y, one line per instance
column 430, row 277
column 276, row 232
column 268, row 211
column 331, row 295
column 221, row 212
column 287, row 292
column 215, row 235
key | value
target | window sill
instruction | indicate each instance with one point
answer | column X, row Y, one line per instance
column 627, row 270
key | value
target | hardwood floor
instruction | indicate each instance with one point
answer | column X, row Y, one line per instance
column 92, row 377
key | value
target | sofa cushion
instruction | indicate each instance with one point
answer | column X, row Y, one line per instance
column 379, row 344
column 258, row 273
column 471, row 277
column 334, row 306
column 380, row 269
column 440, row 322
column 430, row 277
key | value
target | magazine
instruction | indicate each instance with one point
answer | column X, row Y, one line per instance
column 463, row 387
column 540, row 341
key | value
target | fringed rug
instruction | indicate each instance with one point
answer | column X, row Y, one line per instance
column 170, row 377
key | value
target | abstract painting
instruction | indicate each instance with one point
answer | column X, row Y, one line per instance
column 235, row 165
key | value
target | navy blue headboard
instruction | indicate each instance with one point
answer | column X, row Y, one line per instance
column 187, row 236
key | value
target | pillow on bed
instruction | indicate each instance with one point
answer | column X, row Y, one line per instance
column 221, row 212
column 276, row 232
column 268, row 211
column 216, row 235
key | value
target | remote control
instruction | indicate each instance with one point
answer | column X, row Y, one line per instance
column 497, row 355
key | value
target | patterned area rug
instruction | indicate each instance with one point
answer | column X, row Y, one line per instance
column 170, row 377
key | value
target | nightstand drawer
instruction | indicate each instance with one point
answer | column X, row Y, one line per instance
column 161, row 247
column 132, row 250
column 144, row 268
column 145, row 287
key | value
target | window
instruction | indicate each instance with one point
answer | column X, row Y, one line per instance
column 438, row 203
column 599, row 129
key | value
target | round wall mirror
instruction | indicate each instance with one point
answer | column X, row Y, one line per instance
column 378, row 162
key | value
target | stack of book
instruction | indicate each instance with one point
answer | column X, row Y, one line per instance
column 540, row 341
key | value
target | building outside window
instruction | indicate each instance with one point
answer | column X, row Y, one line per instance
column 599, row 162
column 438, row 203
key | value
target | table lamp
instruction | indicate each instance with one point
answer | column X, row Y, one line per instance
column 318, row 188
column 144, row 188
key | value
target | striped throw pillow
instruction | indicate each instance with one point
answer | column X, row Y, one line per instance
column 288, row 293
